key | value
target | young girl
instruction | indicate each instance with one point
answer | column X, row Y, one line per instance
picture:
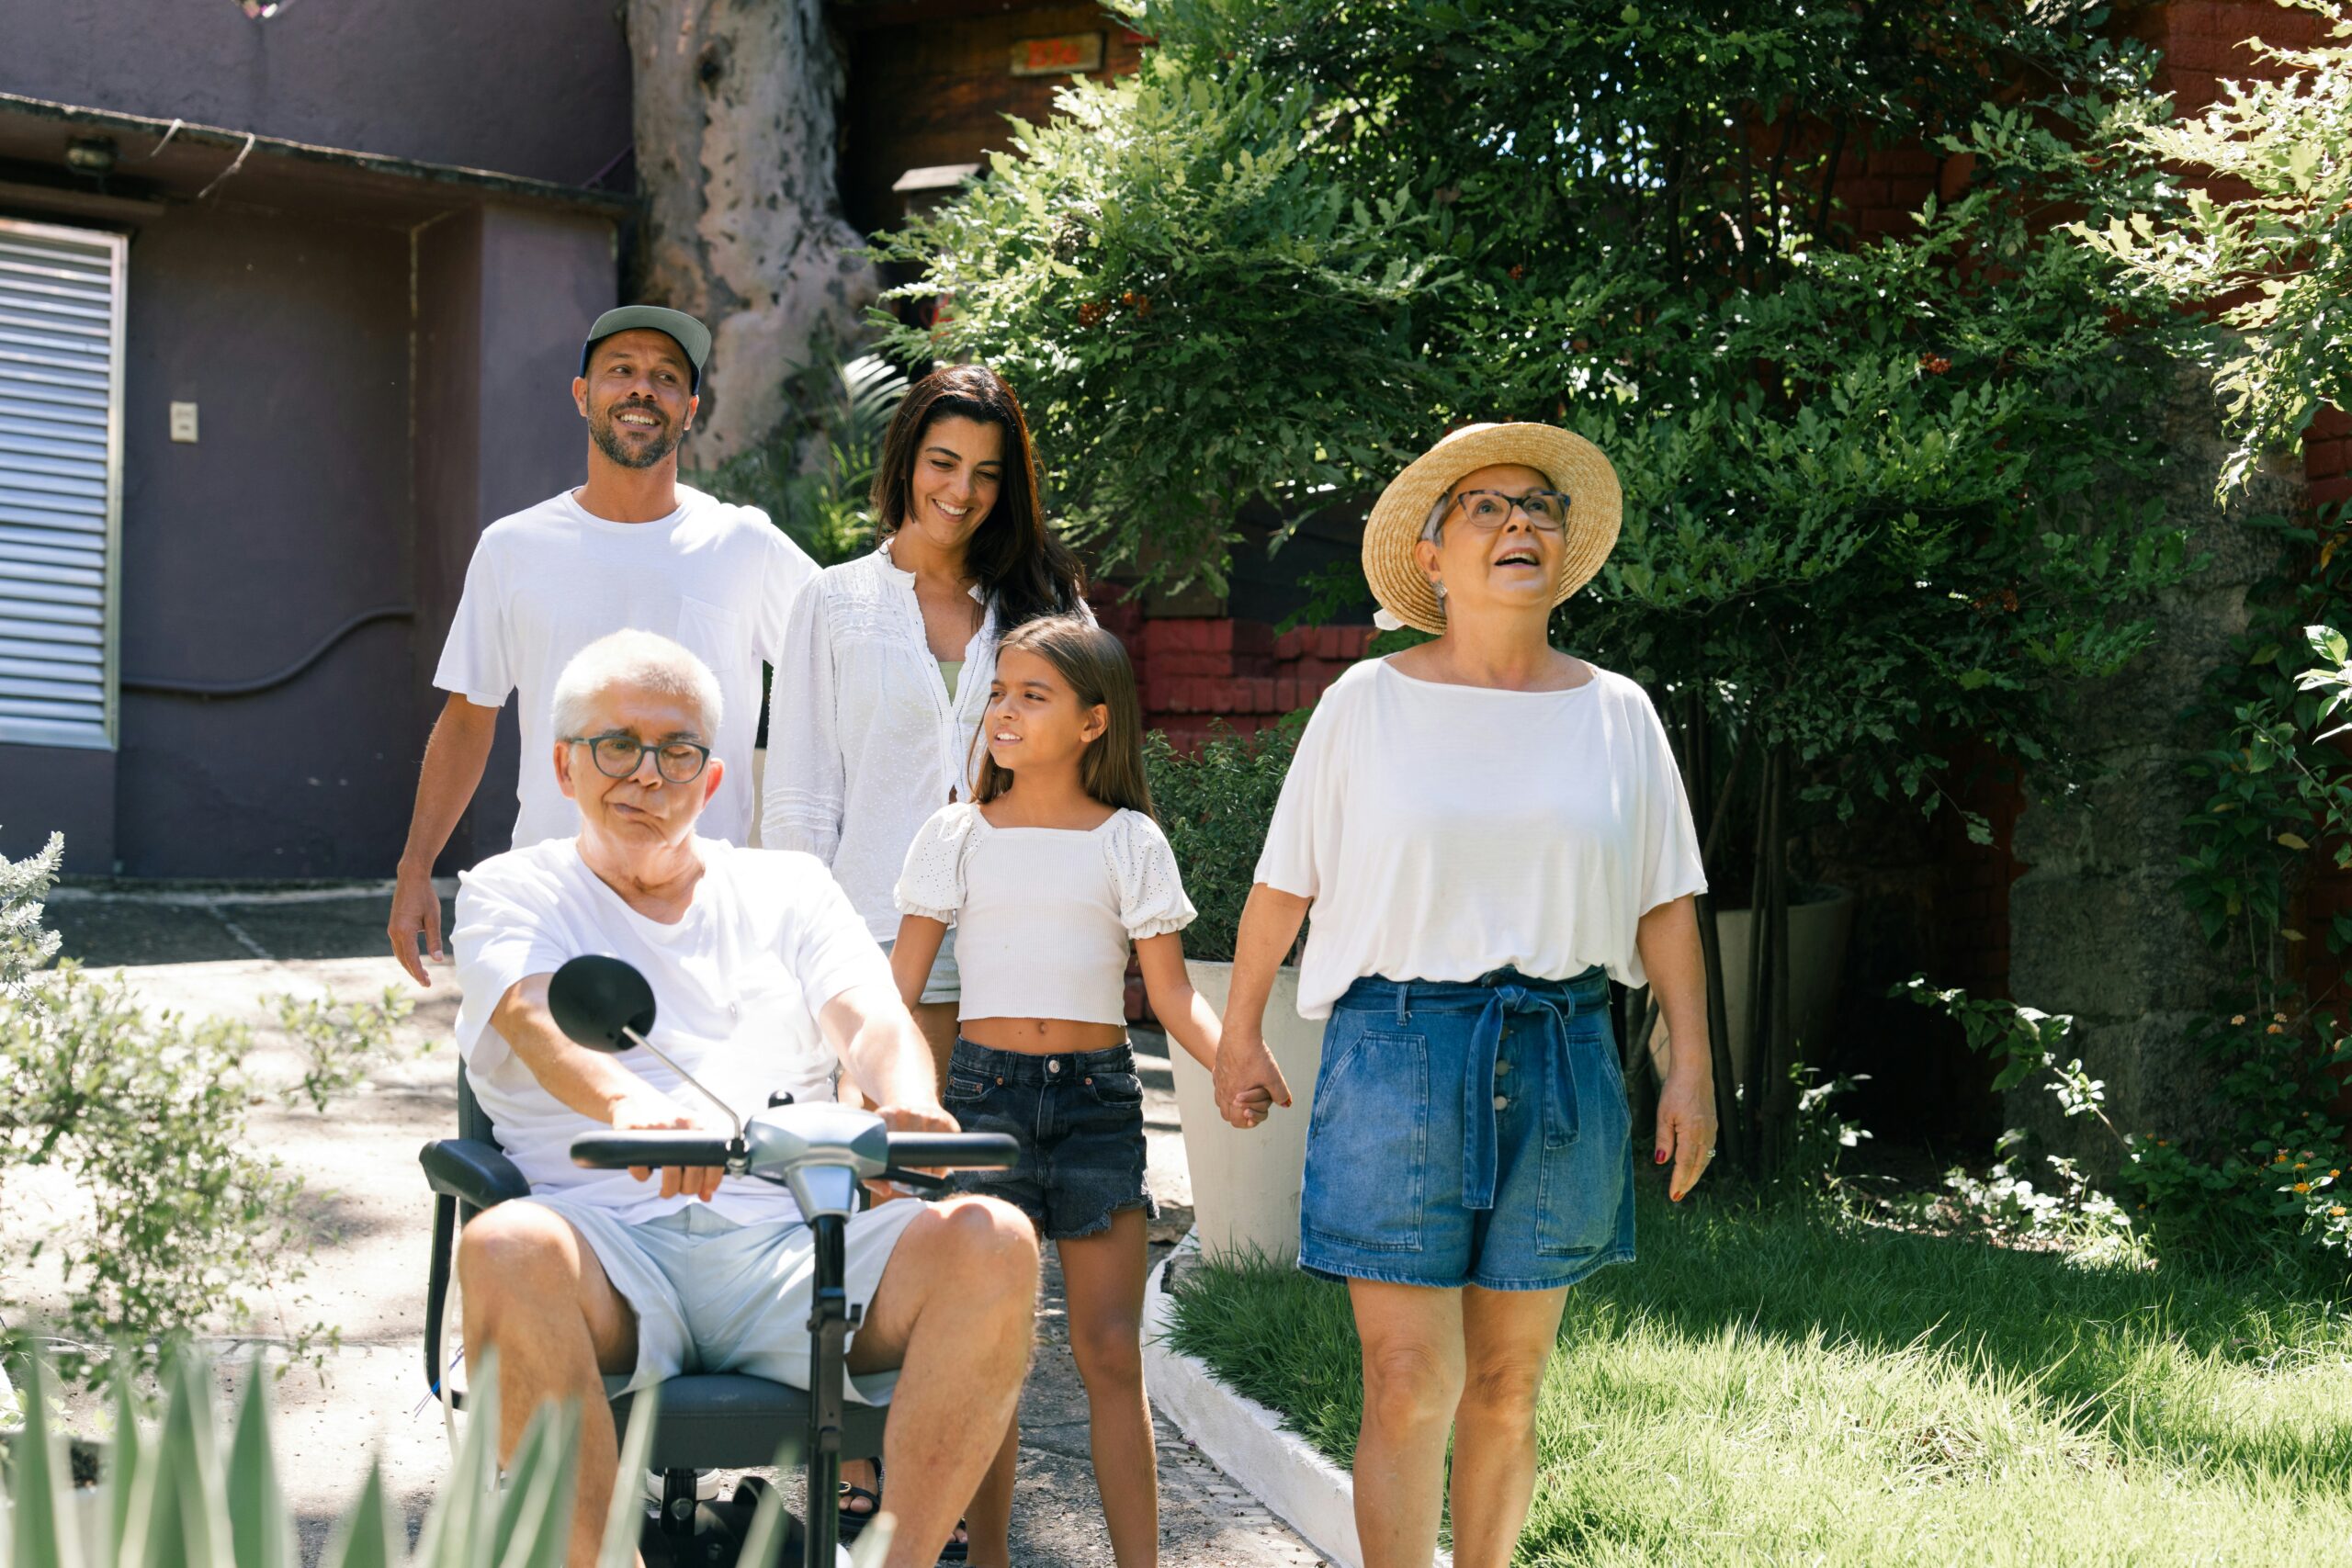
column 1047, row 873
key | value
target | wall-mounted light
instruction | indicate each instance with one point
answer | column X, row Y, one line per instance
column 91, row 154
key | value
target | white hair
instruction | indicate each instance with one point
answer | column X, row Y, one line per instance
column 643, row 662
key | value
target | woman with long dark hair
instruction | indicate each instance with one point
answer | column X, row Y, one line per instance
column 874, row 716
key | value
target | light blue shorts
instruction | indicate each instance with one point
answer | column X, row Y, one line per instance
column 945, row 982
column 1469, row 1133
column 715, row 1296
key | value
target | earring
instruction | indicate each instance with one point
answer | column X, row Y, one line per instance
column 1440, row 585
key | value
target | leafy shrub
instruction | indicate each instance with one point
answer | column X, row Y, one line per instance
column 145, row 1114
column 1215, row 803
column 2278, row 251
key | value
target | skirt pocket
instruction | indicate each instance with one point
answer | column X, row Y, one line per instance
column 1587, row 1133
column 1367, row 1144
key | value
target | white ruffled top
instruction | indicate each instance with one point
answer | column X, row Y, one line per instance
column 1042, row 916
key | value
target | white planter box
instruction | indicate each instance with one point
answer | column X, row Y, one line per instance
column 1817, row 938
column 1245, row 1185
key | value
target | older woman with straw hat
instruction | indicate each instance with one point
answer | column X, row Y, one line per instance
column 1488, row 831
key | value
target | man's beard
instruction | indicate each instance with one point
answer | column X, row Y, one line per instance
column 608, row 440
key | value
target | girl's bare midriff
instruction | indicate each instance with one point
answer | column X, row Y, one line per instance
column 1043, row 1036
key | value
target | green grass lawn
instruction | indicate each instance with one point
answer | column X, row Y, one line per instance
column 1791, row 1383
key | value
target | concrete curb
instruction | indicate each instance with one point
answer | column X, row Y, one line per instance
column 1244, row 1439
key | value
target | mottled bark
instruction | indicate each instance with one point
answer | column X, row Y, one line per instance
column 736, row 109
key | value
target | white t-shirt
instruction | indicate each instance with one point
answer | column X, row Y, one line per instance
column 767, row 941
column 1042, row 916
column 545, row 582
column 1445, row 831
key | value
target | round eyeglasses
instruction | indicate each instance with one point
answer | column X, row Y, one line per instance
column 618, row 755
column 1488, row 510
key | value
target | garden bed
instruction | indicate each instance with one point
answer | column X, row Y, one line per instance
column 1791, row 1382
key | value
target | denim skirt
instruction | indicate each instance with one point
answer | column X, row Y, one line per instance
column 1469, row 1133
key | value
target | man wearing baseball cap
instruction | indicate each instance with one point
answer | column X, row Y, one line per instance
column 631, row 547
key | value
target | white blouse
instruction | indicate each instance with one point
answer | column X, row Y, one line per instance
column 1042, row 916
column 1445, row 831
column 864, row 741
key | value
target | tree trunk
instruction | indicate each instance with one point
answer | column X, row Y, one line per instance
column 736, row 111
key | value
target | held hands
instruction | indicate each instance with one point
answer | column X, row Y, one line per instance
column 1247, row 1083
column 649, row 1110
column 1686, row 1128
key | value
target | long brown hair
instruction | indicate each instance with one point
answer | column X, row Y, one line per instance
column 1015, row 558
column 1095, row 664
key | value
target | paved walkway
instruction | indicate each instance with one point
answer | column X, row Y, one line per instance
column 372, row 1221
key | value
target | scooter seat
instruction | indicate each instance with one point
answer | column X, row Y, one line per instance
column 729, row 1421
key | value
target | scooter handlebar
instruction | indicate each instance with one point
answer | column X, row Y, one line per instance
column 917, row 1151
column 941, row 1151
column 618, row 1151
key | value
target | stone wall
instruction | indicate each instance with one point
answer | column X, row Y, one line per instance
column 2096, row 928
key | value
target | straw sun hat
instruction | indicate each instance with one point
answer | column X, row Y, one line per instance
column 1573, row 466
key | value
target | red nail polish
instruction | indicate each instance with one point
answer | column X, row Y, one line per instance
column 1678, row 1197
column 1661, row 1157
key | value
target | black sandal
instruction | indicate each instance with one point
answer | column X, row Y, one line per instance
column 852, row 1523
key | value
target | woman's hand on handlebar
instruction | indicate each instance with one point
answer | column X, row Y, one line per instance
column 651, row 1111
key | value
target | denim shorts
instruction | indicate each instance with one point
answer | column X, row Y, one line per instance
column 1469, row 1133
column 945, row 982
column 1078, row 1118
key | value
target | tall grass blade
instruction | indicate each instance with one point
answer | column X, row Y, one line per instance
column 43, row 1529
column 623, row 1520
column 365, row 1538
column 185, row 1522
column 260, row 1532
column 535, row 1513
column 459, row 1521
column 126, row 1460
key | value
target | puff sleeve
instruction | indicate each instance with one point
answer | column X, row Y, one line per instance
column 932, row 882
column 1143, row 868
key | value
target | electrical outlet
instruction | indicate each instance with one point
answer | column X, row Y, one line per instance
column 184, row 422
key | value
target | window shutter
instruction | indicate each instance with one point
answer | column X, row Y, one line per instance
column 60, row 482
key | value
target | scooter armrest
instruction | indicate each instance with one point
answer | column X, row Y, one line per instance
column 471, row 1171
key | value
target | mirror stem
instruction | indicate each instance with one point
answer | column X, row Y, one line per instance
column 736, row 1146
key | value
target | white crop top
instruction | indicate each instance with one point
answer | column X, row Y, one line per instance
column 1042, row 916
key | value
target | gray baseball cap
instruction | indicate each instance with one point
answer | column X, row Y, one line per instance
column 681, row 328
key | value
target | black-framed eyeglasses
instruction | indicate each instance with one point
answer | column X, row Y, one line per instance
column 618, row 755
column 1488, row 510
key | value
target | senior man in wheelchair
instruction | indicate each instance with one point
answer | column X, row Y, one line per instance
column 606, row 1281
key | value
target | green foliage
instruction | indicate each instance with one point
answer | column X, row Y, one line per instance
column 143, row 1113
column 2278, row 248
column 1215, row 803
column 814, row 476
column 1882, row 490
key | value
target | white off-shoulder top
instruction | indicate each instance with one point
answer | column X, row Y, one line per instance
column 1042, row 916
column 1445, row 831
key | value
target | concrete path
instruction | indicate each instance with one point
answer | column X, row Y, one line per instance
column 370, row 1218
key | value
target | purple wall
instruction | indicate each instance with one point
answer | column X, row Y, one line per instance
column 504, row 296
column 240, row 553
column 536, row 88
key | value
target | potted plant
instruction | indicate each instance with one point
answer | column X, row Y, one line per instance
column 1215, row 803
